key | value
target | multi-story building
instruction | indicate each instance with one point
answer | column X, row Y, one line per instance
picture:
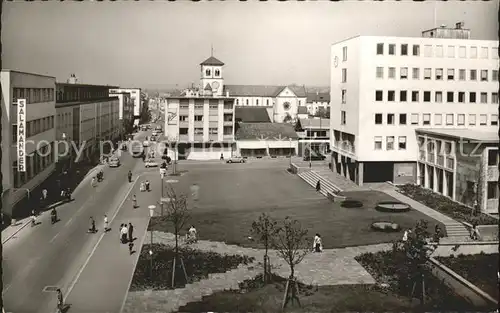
column 40, row 135
column 135, row 97
column 94, row 117
column 461, row 164
column 383, row 88
column 314, row 134
column 317, row 101
column 126, row 111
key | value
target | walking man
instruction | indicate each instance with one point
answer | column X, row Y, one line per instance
column 318, row 186
column 124, row 232
column 129, row 175
column 60, row 301
column 92, row 228
column 134, row 201
column 106, row 223
column 146, row 183
column 130, row 232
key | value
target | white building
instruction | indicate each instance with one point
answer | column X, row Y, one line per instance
column 383, row 88
column 135, row 97
column 38, row 90
column 317, row 100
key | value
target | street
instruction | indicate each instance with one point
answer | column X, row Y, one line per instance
column 52, row 255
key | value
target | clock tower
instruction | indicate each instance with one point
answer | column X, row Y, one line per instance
column 211, row 76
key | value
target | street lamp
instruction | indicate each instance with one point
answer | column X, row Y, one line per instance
column 290, row 152
column 151, row 214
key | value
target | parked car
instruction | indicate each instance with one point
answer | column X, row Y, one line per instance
column 150, row 163
column 114, row 162
column 236, row 160
column 314, row 157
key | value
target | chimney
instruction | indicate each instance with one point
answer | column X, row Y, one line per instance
column 459, row 25
column 227, row 94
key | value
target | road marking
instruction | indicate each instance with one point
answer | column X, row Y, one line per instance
column 26, row 269
column 75, row 280
column 52, row 240
column 68, row 222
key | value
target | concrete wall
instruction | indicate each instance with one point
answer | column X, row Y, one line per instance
column 405, row 173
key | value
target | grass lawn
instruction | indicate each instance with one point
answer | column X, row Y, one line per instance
column 230, row 200
column 479, row 269
column 268, row 298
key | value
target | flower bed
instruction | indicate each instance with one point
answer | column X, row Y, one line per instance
column 445, row 205
column 198, row 266
column 480, row 269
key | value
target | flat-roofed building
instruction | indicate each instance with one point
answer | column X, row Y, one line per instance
column 135, row 97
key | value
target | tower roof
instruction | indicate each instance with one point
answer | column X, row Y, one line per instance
column 212, row 61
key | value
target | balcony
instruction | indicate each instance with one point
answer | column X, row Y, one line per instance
column 228, row 123
column 430, row 157
column 421, row 156
column 450, row 162
column 440, row 160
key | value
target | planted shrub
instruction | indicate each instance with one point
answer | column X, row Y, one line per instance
column 350, row 204
column 386, row 227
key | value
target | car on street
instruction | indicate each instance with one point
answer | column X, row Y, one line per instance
column 150, row 163
column 314, row 157
column 237, row 159
column 114, row 162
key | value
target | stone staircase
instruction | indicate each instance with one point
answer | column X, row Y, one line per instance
column 456, row 230
column 338, row 180
column 312, row 177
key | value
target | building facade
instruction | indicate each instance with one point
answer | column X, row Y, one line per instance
column 461, row 164
column 317, row 101
column 135, row 97
column 40, row 135
column 313, row 133
column 125, row 111
column 383, row 88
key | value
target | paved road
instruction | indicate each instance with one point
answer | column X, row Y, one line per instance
column 53, row 254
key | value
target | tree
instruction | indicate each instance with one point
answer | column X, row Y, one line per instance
column 179, row 214
column 322, row 112
column 264, row 229
column 291, row 245
column 287, row 118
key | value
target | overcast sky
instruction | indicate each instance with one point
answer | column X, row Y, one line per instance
column 160, row 44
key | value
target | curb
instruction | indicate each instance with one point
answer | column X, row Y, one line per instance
column 16, row 232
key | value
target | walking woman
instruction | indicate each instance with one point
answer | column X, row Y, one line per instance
column 318, row 186
column 317, row 245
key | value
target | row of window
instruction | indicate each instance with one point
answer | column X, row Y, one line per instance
column 390, row 143
column 69, row 94
column 227, row 130
column 451, row 96
column 34, row 127
column 208, row 72
column 256, row 102
column 64, row 120
column 438, row 51
column 200, row 118
column 32, row 95
column 227, row 106
column 439, row 74
column 35, row 164
column 438, row 119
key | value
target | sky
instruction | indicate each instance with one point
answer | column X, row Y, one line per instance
column 160, row 44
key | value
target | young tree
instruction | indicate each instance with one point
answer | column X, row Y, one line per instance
column 177, row 212
column 264, row 228
column 291, row 245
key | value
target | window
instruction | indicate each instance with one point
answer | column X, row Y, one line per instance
column 461, row 119
column 342, row 117
column 198, row 118
column 403, row 73
column 472, row 119
column 380, row 49
column 473, row 75
column 483, row 119
column 237, row 101
column 439, row 51
column 439, row 74
column 494, row 97
column 427, row 96
column 416, row 73
column 344, row 75
column 217, row 73
column 426, row 119
column 494, row 75
column 390, row 119
column 379, row 95
column 247, row 101
column 414, row 96
column 494, row 53
column 449, row 96
column 267, row 102
column 428, row 51
column 484, row 97
column 344, row 54
column 427, row 73
column 461, row 52
column 416, row 50
column 216, row 106
column 402, row 96
column 183, row 118
column 473, row 52
column 484, row 52
column 414, row 118
column 212, row 131
column 378, row 118
column 392, row 49
column 494, row 120
column 207, row 72
column 472, row 97
column 378, row 142
column 344, row 95
column 493, row 157
column 438, row 119
column 391, row 95
column 451, row 51
column 438, row 97
column 484, row 75
column 461, row 96
column 183, row 131
column 461, row 74
column 198, row 131
column 492, row 190
column 404, row 49
column 402, row 119
column 451, row 74
column 380, row 72
column 449, row 119
column 402, row 142
column 389, row 143
column 392, row 72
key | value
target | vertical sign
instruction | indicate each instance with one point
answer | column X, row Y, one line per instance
column 21, row 135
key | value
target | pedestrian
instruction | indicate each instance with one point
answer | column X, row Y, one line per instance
column 60, row 301
column 142, row 187
column 475, row 235
column 92, row 228
column 129, row 175
column 146, row 183
column 124, row 233
column 317, row 244
column 93, row 182
column 106, row 223
column 134, row 201
column 130, row 247
column 222, row 157
column 130, row 232
column 33, row 218
column 406, row 234
column 318, row 186
column 44, row 194
column 120, row 231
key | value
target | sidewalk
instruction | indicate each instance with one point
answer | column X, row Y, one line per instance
column 105, row 279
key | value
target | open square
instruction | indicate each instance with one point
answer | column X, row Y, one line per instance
column 230, row 198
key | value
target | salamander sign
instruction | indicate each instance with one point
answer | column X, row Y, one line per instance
column 21, row 135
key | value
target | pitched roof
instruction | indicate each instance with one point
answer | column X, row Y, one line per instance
column 266, row 131
column 252, row 90
column 317, row 123
column 302, row 110
column 318, row 97
column 207, row 87
column 212, row 61
column 299, row 91
column 251, row 115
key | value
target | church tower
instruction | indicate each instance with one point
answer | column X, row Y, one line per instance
column 211, row 77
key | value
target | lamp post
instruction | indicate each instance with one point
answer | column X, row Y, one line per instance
column 290, row 152
column 151, row 214
column 310, row 143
